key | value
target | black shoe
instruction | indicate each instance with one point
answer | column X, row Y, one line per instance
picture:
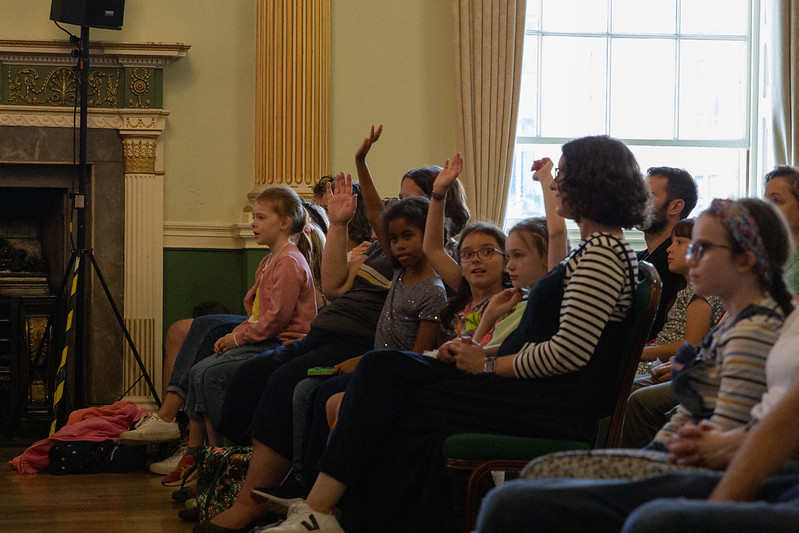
column 184, row 493
column 190, row 515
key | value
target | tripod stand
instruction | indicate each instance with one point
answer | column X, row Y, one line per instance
column 76, row 265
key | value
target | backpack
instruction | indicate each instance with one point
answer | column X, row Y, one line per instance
column 221, row 473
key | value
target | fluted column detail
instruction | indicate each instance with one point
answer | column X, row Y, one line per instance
column 143, row 284
column 292, row 93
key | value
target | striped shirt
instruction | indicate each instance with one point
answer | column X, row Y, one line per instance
column 597, row 289
column 735, row 379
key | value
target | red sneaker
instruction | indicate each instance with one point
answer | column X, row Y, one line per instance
column 185, row 469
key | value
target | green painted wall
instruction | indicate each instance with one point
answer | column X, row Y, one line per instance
column 194, row 276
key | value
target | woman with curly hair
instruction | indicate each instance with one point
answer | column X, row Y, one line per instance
column 383, row 461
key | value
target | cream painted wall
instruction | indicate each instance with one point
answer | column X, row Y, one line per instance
column 392, row 63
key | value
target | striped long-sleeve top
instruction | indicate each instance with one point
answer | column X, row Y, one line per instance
column 734, row 377
column 597, row 289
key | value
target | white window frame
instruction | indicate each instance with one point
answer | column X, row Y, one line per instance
column 753, row 132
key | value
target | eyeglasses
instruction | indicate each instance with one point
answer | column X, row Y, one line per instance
column 696, row 250
column 483, row 253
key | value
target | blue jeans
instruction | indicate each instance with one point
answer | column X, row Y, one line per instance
column 301, row 407
column 677, row 500
column 209, row 380
column 199, row 344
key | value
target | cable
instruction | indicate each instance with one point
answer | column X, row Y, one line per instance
column 71, row 36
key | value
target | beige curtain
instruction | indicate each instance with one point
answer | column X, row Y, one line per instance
column 490, row 37
column 785, row 81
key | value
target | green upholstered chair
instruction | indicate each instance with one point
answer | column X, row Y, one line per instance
column 480, row 454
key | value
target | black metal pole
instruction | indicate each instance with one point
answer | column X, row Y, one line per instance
column 80, row 206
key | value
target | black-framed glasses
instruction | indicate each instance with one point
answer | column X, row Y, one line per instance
column 483, row 253
column 696, row 250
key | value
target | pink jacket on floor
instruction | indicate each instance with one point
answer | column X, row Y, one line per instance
column 94, row 424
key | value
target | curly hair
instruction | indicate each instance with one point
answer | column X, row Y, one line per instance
column 412, row 209
column 601, row 181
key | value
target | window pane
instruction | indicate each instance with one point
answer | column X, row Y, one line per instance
column 528, row 94
column 642, row 88
column 719, row 172
column 524, row 197
column 713, row 79
column 573, row 86
column 575, row 16
column 644, row 16
column 715, row 17
column 532, row 12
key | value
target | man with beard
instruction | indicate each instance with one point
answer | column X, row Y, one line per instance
column 674, row 195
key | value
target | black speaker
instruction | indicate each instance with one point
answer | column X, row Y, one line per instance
column 92, row 13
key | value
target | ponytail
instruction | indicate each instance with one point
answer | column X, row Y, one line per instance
column 779, row 291
column 777, row 241
column 310, row 242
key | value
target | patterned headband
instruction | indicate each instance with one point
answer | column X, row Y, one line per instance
column 740, row 223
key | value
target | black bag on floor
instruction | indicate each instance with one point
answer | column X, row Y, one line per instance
column 86, row 457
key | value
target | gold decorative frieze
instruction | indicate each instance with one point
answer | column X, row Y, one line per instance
column 139, row 87
column 140, row 154
column 55, row 86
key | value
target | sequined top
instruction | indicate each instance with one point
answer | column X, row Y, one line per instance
column 405, row 307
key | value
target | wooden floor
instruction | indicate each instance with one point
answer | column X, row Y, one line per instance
column 95, row 502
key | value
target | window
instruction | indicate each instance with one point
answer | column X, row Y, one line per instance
column 671, row 78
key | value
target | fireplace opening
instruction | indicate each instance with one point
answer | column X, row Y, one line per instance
column 37, row 178
column 35, row 215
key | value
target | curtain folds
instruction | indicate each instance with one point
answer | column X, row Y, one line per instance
column 785, row 81
column 490, row 41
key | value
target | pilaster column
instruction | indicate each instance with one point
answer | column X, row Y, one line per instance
column 144, row 268
column 292, row 107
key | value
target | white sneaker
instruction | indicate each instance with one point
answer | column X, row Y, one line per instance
column 302, row 518
column 151, row 429
column 169, row 464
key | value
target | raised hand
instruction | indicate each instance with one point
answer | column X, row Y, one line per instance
column 360, row 155
column 542, row 170
column 342, row 203
column 448, row 175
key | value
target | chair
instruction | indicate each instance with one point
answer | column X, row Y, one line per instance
column 480, row 454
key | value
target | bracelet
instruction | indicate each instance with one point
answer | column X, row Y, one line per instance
column 234, row 340
column 490, row 366
column 439, row 197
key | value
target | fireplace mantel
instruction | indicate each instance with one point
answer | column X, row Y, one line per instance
column 37, row 91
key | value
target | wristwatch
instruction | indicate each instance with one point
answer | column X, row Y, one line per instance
column 491, row 365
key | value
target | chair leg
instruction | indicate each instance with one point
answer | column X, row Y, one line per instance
column 478, row 484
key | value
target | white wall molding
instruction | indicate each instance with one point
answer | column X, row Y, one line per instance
column 208, row 236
